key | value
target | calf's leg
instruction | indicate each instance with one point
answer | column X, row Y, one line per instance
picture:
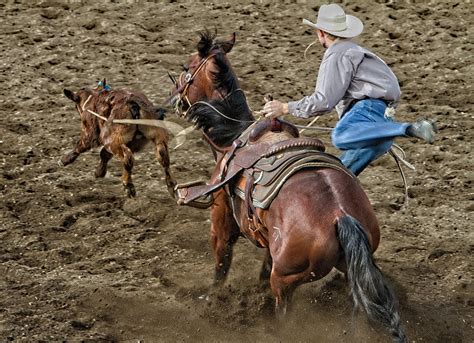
column 125, row 155
column 105, row 157
column 71, row 156
column 163, row 158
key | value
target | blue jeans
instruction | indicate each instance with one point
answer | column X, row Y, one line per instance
column 364, row 134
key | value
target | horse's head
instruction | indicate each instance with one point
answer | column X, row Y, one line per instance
column 207, row 92
column 207, row 75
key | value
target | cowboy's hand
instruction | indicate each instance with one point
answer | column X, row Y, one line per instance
column 275, row 108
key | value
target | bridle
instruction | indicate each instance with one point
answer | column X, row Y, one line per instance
column 184, row 81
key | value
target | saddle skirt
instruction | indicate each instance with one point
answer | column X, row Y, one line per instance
column 255, row 168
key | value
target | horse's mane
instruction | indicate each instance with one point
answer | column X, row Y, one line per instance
column 221, row 130
column 223, row 77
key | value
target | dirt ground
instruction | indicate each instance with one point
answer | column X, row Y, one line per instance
column 81, row 262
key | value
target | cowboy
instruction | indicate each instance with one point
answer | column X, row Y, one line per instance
column 362, row 88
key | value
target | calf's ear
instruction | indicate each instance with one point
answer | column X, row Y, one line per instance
column 73, row 96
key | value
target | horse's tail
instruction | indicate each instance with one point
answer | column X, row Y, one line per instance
column 368, row 288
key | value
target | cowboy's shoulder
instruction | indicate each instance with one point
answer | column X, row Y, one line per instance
column 342, row 46
column 345, row 49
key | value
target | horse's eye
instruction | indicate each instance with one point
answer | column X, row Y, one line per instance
column 185, row 67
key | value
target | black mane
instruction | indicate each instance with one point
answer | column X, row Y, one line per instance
column 206, row 42
column 224, row 77
column 217, row 126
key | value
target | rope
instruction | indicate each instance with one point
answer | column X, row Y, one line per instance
column 306, row 50
column 90, row 111
column 402, row 173
column 310, row 124
column 83, row 106
column 97, row 115
column 320, row 128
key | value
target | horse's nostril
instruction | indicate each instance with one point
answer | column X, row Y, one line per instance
column 185, row 67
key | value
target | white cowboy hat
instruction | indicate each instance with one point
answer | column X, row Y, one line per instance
column 333, row 20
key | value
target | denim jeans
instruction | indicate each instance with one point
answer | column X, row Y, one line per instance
column 364, row 134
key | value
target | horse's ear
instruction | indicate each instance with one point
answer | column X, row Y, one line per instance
column 228, row 44
column 104, row 83
column 204, row 45
column 71, row 95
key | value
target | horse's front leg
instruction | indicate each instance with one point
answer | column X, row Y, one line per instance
column 224, row 234
column 162, row 154
column 283, row 290
column 266, row 270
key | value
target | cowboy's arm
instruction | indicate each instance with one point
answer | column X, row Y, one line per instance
column 334, row 78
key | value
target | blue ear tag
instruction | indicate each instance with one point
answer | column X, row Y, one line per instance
column 101, row 87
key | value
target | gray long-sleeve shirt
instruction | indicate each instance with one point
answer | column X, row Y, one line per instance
column 347, row 72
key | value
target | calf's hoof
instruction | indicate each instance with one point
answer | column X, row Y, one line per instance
column 100, row 172
column 68, row 158
column 130, row 190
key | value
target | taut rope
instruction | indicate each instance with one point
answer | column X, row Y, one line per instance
column 176, row 129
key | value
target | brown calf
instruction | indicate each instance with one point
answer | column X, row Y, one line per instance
column 119, row 140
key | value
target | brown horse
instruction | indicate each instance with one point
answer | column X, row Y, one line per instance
column 320, row 219
column 98, row 108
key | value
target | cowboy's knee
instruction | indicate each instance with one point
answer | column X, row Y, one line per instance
column 338, row 138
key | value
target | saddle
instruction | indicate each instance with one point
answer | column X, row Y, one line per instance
column 255, row 168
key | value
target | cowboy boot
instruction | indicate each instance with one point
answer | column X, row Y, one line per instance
column 423, row 129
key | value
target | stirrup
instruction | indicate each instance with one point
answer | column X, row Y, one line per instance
column 202, row 202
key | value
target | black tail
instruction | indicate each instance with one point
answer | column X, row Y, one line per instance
column 160, row 113
column 134, row 109
column 368, row 288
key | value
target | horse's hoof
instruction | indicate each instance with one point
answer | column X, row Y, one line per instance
column 130, row 190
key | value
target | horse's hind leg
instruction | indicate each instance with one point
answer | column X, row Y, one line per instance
column 125, row 155
column 162, row 155
column 224, row 234
column 105, row 157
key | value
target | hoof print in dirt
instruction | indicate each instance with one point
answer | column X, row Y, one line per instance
column 81, row 325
